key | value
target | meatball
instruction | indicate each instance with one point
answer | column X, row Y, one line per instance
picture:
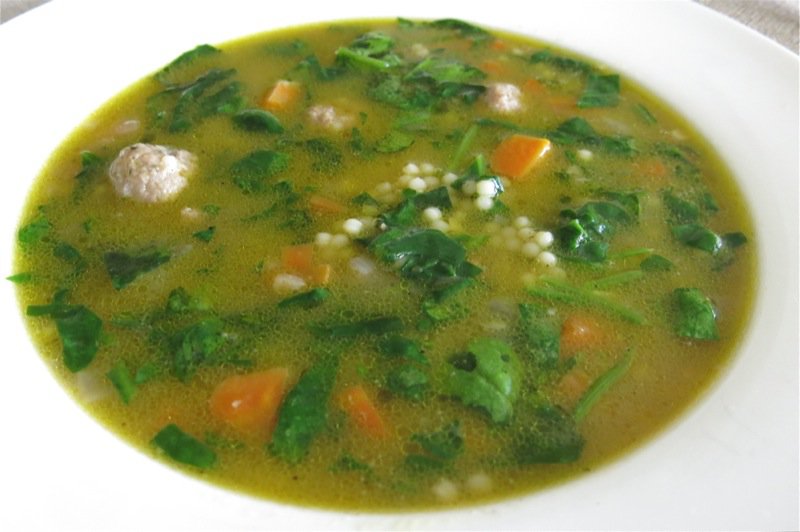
column 503, row 97
column 328, row 117
column 150, row 173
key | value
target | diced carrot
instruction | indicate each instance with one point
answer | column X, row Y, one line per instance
column 362, row 411
column 580, row 332
column 322, row 274
column 499, row 45
column 517, row 154
column 652, row 170
column 563, row 104
column 250, row 402
column 322, row 205
column 493, row 67
column 533, row 86
column 572, row 385
column 282, row 96
column 298, row 259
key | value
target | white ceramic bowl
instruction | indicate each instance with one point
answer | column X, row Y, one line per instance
column 731, row 462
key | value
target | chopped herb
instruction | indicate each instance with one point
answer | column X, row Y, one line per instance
column 645, row 113
column 184, row 448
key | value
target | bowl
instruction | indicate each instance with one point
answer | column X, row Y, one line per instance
column 730, row 462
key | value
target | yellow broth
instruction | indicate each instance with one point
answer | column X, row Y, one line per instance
column 655, row 155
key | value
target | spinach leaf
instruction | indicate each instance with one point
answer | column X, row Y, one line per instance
column 91, row 170
column 407, row 212
column 123, row 381
column 206, row 234
column 586, row 234
column 656, row 263
column 562, row 63
column 464, row 29
column 681, row 211
column 550, row 436
column 180, row 106
column 165, row 75
column 371, row 51
column 541, row 335
column 36, row 230
column 257, row 120
column 78, row 327
column 20, row 278
column 601, row 385
column 553, row 290
column 698, row 236
column 179, row 301
column 124, row 268
column 695, row 316
column 407, row 381
column 326, row 156
column 397, row 346
column 423, row 254
column 346, row 462
column 304, row 412
column 439, row 449
column 196, row 345
column 578, row 131
column 486, row 377
column 443, row 71
column 251, row 172
column 394, row 141
column 600, row 91
column 310, row 299
column 311, row 67
column 376, row 326
column 184, row 448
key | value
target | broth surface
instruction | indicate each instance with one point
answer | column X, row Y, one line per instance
column 434, row 332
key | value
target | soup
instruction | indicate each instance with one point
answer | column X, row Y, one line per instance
column 385, row 265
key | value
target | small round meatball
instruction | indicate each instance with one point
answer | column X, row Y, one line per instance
column 150, row 173
column 503, row 97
